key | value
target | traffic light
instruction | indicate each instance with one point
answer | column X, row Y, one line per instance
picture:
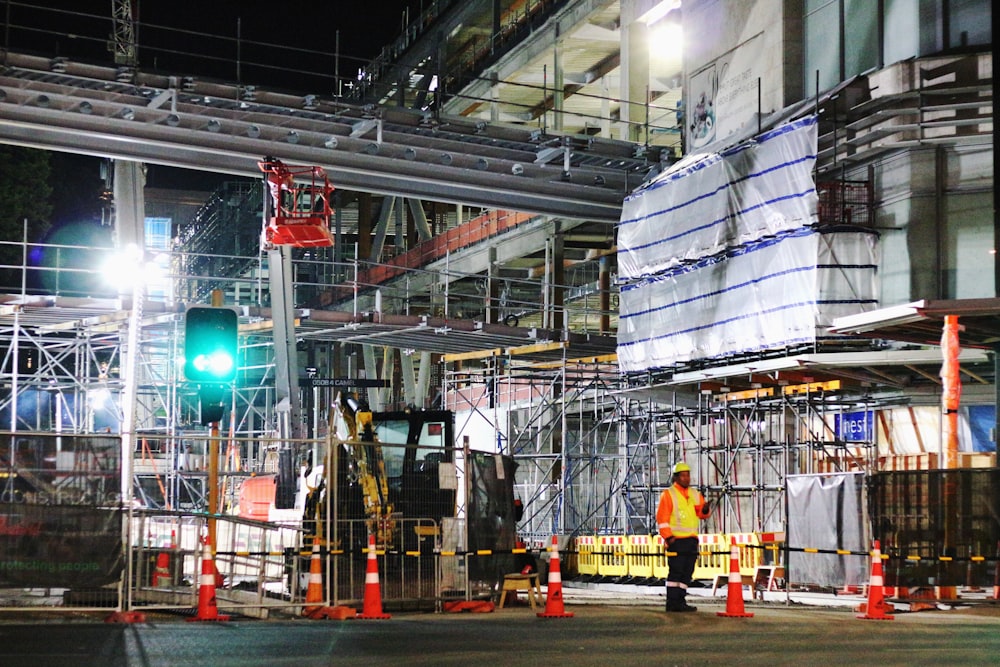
column 210, row 345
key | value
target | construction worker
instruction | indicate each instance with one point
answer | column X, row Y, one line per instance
column 677, row 516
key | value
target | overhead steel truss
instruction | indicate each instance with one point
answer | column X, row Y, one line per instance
column 183, row 122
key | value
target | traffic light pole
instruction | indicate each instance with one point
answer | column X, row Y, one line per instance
column 213, row 482
column 213, row 458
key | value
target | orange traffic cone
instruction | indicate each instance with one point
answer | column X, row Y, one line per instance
column 996, row 576
column 553, row 595
column 161, row 575
column 877, row 606
column 162, row 571
column 373, row 593
column 207, row 608
column 125, row 617
column 314, row 592
column 734, row 592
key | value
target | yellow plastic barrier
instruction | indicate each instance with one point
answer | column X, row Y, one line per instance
column 660, row 567
column 750, row 552
column 640, row 556
column 611, row 561
column 773, row 544
column 586, row 560
column 713, row 557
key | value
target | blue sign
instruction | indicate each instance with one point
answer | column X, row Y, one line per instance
column 855, row 426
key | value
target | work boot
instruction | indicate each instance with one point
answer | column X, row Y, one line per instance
column 686, row 607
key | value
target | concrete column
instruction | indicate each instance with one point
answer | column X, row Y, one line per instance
column 494, row 98
column 605, row 108
column 558, row 82
column 634, row 71
column 493, row 288
column 558, row 282
column 130, row 204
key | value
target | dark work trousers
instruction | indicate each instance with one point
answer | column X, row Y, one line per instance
column 680, row 569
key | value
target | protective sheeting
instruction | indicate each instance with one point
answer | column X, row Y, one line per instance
column 826, row 512
column 707, row 203
column 59, row 546
column 772, row 293
column 60, row 510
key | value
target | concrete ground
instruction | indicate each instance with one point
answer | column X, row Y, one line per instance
column 603, row 631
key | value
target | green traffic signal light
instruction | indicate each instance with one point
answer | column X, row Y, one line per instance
column 210, row 345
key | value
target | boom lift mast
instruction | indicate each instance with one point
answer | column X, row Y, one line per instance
column 296, row 215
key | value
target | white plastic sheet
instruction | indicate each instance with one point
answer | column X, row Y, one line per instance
column 707, row 203
column 769, row 294
column 827, row 512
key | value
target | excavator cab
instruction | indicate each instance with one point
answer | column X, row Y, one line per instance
column 297, row 209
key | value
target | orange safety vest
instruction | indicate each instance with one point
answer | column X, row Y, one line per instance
column 684, row 515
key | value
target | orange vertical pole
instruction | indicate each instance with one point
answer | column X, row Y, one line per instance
column 951, row 389
column 950, row 397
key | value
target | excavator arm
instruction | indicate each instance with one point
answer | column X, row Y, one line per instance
column 369, row 465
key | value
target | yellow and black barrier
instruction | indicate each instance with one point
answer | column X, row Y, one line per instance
column 713, row 556
column 646, row 555
column 612, row 556
column 641, row 549
column 586, row 559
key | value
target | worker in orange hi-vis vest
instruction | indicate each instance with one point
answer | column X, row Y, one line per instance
column 677, row 517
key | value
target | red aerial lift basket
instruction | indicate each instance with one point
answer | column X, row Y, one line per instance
column 298, row 211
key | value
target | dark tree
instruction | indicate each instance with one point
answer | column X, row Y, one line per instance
column 26, row 194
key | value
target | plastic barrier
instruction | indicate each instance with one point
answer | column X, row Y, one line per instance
column 750, row 552
column 640, row 555
column 586, row 560
column 611, row 559
column 713, row 558
column 773, row 544
column 645, row 556
column 660, row 567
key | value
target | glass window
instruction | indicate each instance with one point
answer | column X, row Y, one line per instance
column 822, row 48
column 903, row 30
column 158, row 233
column 971, row 23
column 860, row 36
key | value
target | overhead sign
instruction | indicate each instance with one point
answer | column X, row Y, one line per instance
column 855, row 426
column 344, row 383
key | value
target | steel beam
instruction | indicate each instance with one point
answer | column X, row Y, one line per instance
column 441, row 159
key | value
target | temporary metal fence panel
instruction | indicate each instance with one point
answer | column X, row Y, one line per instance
column 60, row 525
column 938, row 527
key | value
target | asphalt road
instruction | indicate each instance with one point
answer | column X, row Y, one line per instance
column 598, row 634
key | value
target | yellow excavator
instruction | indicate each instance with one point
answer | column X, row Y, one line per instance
column 365, row 465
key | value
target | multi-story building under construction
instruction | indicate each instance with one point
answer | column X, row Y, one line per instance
column 759, row 237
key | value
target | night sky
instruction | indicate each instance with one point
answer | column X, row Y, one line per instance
column 277, row 44
column 287, row 45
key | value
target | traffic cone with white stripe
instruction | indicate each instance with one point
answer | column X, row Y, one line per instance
column 876, row 607
column 314, row 592
column 553, row 594
column 734, row 592
column 161, row 576
column 208, row 610
column 373, row 592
